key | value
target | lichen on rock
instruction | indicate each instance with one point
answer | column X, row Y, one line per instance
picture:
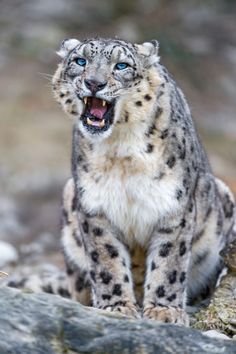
column 221, row 312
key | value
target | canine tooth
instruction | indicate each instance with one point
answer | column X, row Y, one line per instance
column 89, row 121
column 102, row 123
column 85, row 100
column 103, row 103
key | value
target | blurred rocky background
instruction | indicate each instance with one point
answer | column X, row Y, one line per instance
column 197, row 44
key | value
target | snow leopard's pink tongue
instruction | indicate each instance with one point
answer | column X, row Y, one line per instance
column 96, row 108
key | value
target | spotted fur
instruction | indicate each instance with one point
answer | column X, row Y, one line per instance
column 145, row 220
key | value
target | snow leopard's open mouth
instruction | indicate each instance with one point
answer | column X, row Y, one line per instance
column 98, row 114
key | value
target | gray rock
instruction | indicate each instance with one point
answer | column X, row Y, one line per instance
column 220, row 315
column 10, row 225
column 47, row 324
column 215, row 334
column 8, row 254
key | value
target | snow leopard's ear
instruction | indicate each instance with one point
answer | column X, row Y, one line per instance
column 67, row 46
column 148, row 49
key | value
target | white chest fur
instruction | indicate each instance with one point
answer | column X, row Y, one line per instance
column 124, row 188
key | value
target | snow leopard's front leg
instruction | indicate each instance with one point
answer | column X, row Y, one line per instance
column 166, row 274
column 111, row 279
column 95, row 259
column 76, row 260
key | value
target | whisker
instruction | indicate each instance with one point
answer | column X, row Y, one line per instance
column 120, row 93
column 49, row 78
column 45, row 75
column 48, row 85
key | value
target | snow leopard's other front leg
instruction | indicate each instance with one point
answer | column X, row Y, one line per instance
column 167, row 265
column 76, row 260
column 110, row 274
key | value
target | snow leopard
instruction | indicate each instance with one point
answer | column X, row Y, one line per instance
column 144, row 218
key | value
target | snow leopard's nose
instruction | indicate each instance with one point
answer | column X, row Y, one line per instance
column 94, row 85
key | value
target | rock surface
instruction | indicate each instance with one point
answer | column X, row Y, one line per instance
column 8, row 254
column 220, row 315
column 47, row 324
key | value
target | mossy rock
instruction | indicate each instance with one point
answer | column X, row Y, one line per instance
column 221, row 313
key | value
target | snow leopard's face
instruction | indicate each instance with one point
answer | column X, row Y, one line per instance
column 95, row 75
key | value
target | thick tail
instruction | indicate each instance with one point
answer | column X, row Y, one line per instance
column 49, row 280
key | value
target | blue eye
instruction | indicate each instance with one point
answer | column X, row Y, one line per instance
column 121, row 66
column 80, row 61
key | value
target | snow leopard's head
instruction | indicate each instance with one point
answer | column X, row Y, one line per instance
column 96, row 76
